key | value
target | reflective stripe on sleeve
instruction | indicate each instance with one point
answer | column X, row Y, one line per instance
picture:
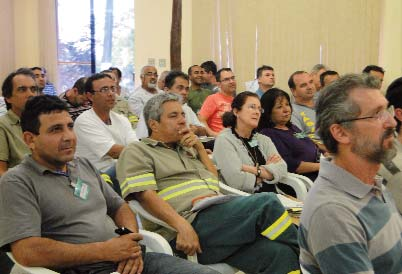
column 137, row 181
column 188, row 186
column 279, row 226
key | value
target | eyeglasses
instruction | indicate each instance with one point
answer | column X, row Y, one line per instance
column 105, row 90
column 22, row 89
column 233, row 78
column 382, row 116
column 255, row 108
column 150, row 74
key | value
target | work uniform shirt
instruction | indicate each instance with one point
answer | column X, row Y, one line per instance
column 175, row 174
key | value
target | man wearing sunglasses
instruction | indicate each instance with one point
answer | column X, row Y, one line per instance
column 350, row 223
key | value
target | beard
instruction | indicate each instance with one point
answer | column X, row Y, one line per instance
column 152, row 85
column 377, row 153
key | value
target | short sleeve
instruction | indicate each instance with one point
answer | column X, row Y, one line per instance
column 135, row 170
column 4, row 151
column 208, row 108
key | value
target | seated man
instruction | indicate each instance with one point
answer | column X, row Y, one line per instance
column 76, row 98
column 102, row 134
column 17, row 88
column 170, row 172
column 176, row 82
column 45, row 87
column 57, row 212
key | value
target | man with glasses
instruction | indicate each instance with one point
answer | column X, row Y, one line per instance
column 350, row 223
column 148, row 89
column 217, row 104
column 101, row 133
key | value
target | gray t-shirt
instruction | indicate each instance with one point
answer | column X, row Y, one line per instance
column 37, row 202
column 305, row 118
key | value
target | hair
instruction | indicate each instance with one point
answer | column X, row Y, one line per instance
column 37, row 105
column 153, row 108
column 190, row 68
column 334, row 104
column 119, row 74
column 171, row 78
column 80, row 85
column 291, row 82
column 7, row 87
column 373, row 67
column 209, row 66
column 38, row 68
column 259, row 71
column 394, row 97
column 316, row 68
column 326, row 73
column 237, row 103
column 218, row 74
column 268, row 101
column 94, row 77
column 144, row 67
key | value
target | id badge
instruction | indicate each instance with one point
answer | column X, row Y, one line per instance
column 253, row 143
column 81, row 189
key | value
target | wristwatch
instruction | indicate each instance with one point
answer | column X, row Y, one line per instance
column 258, row 172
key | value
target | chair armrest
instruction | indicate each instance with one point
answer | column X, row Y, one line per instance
column 137, row 208
column 31, row 270
column 155, row 242
column 306, row 180
column 225, row 189
column 297, row 184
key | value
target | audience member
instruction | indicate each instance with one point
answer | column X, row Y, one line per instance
column 121, row 106
column 209, row 76
column 328, row 77
column 254, row 165
column 76, row 98
column 45, row 87
column 147, row 90
column 350, row 223
column 303, row 115
column 299, row 152
column 61, row 214
column 161, row 79
column 101, row 133
column 266, row 79
column 170, row 172
column 197, row 95
column 375, row 71
column 315, row 73
column 177, row 83
column 217, row 104
column 391, row 170
column 17, row 88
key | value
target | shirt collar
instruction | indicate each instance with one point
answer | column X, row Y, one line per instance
column 42, row 169
column 14, row 119
column 346, row 181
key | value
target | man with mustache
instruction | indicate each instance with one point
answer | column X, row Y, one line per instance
column 57, row 212
column 101, row 133
column 148, row 89
column 350, row 223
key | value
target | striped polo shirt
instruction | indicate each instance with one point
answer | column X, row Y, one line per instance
column 348, row 226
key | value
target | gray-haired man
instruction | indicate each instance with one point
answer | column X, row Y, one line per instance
column 350, row 223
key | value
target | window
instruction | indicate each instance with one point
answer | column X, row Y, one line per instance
column 92, row 36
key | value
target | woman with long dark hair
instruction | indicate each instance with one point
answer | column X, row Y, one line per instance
column 299, row 152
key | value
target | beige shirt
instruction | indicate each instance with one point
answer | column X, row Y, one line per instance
column 12, row 146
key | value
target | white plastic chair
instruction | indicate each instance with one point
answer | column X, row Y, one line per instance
column 301, row 184
column 153, row 241
column 137, row 208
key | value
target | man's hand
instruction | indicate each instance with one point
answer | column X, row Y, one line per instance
column 131, row 266
column 189, row 139
column 122, row 248
column 187, row 239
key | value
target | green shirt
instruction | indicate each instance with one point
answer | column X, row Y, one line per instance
column 175, row 174
column 196, row 98
column 12, row 147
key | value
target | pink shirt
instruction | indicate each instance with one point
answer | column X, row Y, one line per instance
column 213, row 108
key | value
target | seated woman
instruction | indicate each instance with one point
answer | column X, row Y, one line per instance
column 247, row 160
column 299, row 152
